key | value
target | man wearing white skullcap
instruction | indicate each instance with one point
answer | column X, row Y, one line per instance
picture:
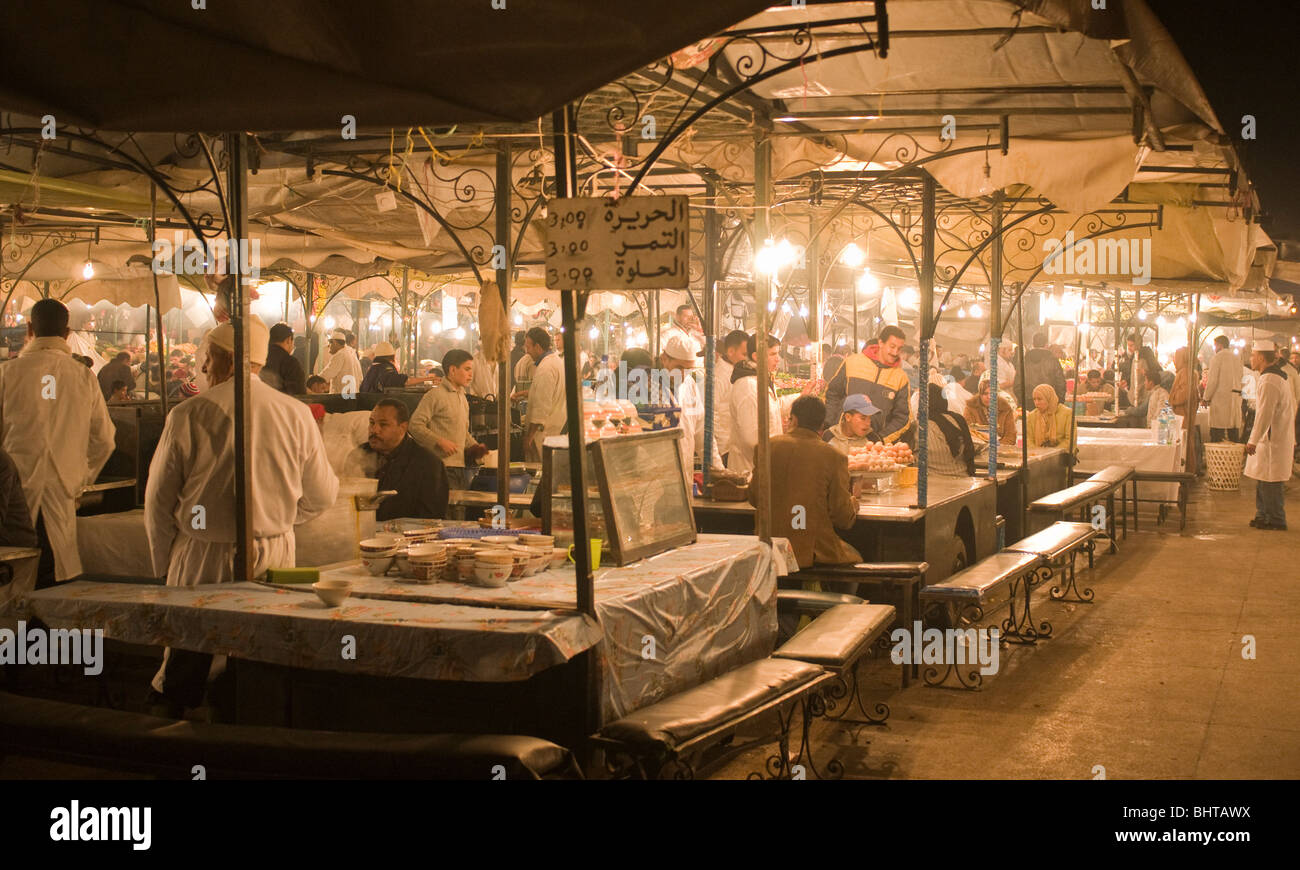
column 1272, row 440
column 189, row 502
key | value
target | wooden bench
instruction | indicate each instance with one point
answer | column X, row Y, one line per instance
column 896, row 583
column 170, row 748
column 968, row 594
column 1055, row 543
column 667, row 737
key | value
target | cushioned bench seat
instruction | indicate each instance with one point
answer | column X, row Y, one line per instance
column 1071, row 497
column 723, row 701
column 1056, row 540
column 978, row 582
column 811, row 601
column 839, row 637
column 1113, row 474
column 118, row 740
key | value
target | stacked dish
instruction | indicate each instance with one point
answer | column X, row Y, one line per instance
column 378, row 554
column 426, row 561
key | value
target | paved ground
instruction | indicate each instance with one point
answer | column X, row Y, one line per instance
column 1149, row 682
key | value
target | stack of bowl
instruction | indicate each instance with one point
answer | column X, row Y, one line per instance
column 493, row 567
column 378, row 554
column 460, row 563
column 499, row 541
column 426, row 561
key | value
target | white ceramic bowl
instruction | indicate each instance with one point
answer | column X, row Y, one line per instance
column 378, row 563
column 428, row 552
column 500, row 540
column 332, row 592
column 379, row 545
column 491, row 575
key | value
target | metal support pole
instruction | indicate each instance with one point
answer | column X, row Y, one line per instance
column 157, row 298
column 710, row 327
column 309, row 314
column 927, row 339
column 995, row 336
column 503, row 366
column 237, row 196
column 1024, row 412
column 1074, row 397
column 406, row 324
column 762, row 291
column 565, row 182
column 146, row 353
column 812, row 322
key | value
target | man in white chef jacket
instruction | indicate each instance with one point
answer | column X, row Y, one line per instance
column 730, row 350
column 343, row 368
column 744, row 404
column 1272, row 439
column 56, row 428
column 546, row 404
column 189, row 502
column 678, row 360
column 1223, row 392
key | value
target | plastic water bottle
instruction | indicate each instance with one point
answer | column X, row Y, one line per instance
column 1165, row 425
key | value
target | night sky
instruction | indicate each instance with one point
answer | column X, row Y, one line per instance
column 1246, row 57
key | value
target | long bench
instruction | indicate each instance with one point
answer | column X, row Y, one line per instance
column 968, row 594
column 665, row 739
column 171, row 748
column 1117, row 478
column 1081, row 497
column 1055, row 544
column 897, row 583
column 1184, row 479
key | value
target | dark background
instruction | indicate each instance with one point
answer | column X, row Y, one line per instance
column 1247, row 59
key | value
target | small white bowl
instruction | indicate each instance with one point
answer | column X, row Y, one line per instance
column 492, row 575
column 378, row 545
column 500, row 540
column 378, row 563
column 332, row 592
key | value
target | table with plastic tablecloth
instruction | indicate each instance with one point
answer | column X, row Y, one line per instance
column 1099, row 448
column 663, row 624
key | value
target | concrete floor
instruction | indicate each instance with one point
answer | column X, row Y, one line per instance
column 1149, row 682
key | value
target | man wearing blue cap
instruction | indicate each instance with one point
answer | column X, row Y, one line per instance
column 855, row 428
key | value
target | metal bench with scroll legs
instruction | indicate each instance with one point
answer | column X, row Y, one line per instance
column 1055, row 544
column 970, row 593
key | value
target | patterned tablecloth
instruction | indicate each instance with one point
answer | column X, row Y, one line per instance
column 668, row 622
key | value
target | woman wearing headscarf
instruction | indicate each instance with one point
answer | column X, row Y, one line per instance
column 977, row 412
column 951, row 452
column 1180, row 399
column 1048, row 425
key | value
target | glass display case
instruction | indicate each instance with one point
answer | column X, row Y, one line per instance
column 637, row 500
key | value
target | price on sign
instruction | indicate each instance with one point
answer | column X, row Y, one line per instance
column 636, row 243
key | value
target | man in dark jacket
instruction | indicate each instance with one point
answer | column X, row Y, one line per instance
column 118, row 370
column 878, row 374
column 393, row 456
column 1041, row 367
column 282, row 370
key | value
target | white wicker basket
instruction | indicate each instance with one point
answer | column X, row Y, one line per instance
column 1224, row 461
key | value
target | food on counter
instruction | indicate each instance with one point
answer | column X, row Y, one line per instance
column 879, row 457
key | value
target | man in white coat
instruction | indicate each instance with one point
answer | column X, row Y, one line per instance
column 1223, row 392
column 1272, row 439
column 677, row 361
column 744, row 405
column 546, row 403
column 343, row 368
column 56, row 428
column 189, row 507
column 729, row 350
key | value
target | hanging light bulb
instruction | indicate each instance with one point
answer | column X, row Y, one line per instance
column 785, row 253
column 868, row 283
column 852, row 256
column 88, row 270
column 459, row 333
column 519, row 320
column 976, row 311
column 765, row 258
column 961, row 312
column 803, row 310
column 771, row 306
column 1181, row 323
column 1142, row 314
column 1160, row 320
column 593, row 333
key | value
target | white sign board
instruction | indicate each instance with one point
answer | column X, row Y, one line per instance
column 635, row 243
